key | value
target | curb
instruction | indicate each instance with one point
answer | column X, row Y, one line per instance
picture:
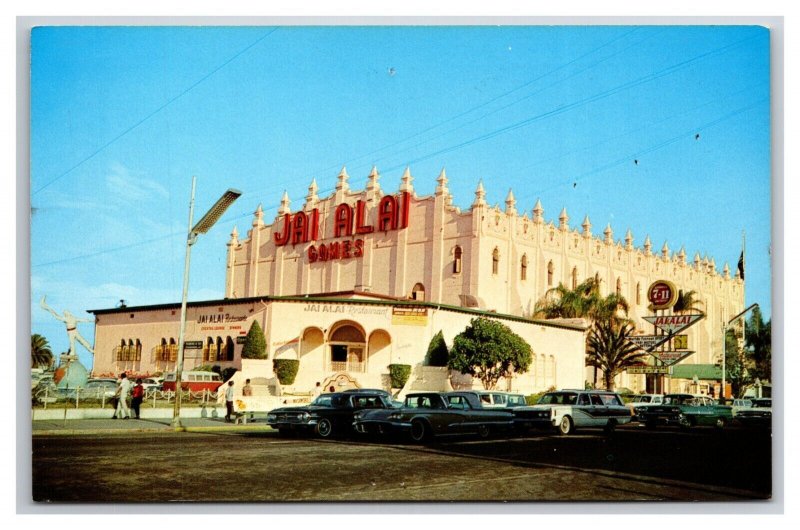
column 225, row 428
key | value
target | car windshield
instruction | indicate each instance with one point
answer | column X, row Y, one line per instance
column 422, row 402
column 558, row 398
column 642, row 399
column 610, row 400
column 764, row 403
column 516, row 400
column 323, row 401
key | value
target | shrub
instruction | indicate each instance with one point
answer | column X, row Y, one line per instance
column 255, row 345
column 437, row 351
column 286, row 370
column 227, row 373
column 399, row 374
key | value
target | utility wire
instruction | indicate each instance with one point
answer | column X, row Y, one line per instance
column 156, row 111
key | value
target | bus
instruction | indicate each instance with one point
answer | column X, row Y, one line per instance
column 194, row 381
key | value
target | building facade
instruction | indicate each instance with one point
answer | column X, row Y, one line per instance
column 384, row 251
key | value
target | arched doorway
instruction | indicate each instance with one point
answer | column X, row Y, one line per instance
column 347, row 342
column 380, row 348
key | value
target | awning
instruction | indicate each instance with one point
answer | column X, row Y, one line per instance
column 708, row 372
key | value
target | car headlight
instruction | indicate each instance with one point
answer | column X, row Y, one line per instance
column 640, row 410
column 304, row 416
column 395, row 416
column 271, row 417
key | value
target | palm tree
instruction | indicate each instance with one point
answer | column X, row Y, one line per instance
column 41, row 354
column 758, row 340
column 687, row 302
column 584, row 301
column 610, row 351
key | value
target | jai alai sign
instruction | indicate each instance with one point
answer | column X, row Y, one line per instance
column 348, row 221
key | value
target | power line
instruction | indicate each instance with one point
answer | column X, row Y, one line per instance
column 156, row 111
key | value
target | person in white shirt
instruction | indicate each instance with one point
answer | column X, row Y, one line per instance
column 317, row 391
column 123, row 389
column 229, row 401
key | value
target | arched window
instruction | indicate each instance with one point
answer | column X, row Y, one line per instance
column 574, row 277
column 549, row 273
column 524, row 268
column 457, row 260
column 228, row 348
column 138, row 350
column 638, row 293
column 220, row 349
column 418, row 292
column 495, row 260
column 619, row 286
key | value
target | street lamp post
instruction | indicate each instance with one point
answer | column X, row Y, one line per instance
column 724, row 331
column 202, row 226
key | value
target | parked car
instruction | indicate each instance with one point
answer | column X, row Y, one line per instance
column 759, row 414
column 328, row 414
column 151, row 383
column 739, row 404
column 641, row 402
column 567, row 410
column 99, row 388
column 687, row 410
column 428, row 414
column 497, row 399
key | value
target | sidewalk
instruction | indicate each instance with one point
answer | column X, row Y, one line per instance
column 111, row 426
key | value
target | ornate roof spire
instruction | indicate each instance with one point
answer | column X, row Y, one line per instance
column 628, row 239
column 682, row 255
column 311, row 198
column 665, row 251
column 697, row 260
column 609, row 234
column 341, row 184
column 234, row 237
column 647, row 245
column 372, row 180
column 511, row 203
column 405, row 181
column 726, row 270
column 284, row 208
column 563, row 219
column 480, row 195
column 587, row 227
column 538, row 212
column 441, row 189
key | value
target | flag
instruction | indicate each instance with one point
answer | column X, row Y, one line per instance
column 741, row 265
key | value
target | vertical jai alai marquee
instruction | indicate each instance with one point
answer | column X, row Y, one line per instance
column 384, row 252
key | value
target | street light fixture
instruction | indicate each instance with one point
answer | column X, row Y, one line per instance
column 202, row 226
column 724, row 331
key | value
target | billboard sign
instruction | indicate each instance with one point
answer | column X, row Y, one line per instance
column 673, row 323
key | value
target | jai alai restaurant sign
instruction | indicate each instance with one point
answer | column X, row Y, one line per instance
column 348, row 221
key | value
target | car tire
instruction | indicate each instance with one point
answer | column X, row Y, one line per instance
column 610, row 427
column 566, row 426
column 721, row 423
column 324, row 428
column 419, row 431
column 483, row 430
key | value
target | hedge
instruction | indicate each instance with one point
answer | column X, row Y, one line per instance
column 399, row 374
column 286, row 370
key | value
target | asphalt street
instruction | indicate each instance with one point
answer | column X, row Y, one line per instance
column 255, row 464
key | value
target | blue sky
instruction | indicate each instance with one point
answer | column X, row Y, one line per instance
column 122, row 117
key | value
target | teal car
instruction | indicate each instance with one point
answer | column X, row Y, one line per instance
column 687, row 410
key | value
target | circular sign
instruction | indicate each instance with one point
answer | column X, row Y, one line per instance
column 662, row 294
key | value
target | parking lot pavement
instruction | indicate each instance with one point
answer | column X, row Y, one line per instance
column 120, row 426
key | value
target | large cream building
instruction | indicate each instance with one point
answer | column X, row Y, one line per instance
column 359, row 279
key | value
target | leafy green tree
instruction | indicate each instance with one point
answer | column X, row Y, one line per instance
column 437, row 351
column 735, row 370
column 41, row 354
column 255, row 345
column 610, row 351
column 489, row 350
column 758, row 341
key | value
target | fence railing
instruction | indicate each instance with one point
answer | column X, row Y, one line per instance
column 349, row 366
column 93, row 397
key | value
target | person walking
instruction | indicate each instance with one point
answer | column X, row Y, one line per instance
column 114, row 401
column 229, row 401
column 137, row 395
column 317, row 391
column 123, row 389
